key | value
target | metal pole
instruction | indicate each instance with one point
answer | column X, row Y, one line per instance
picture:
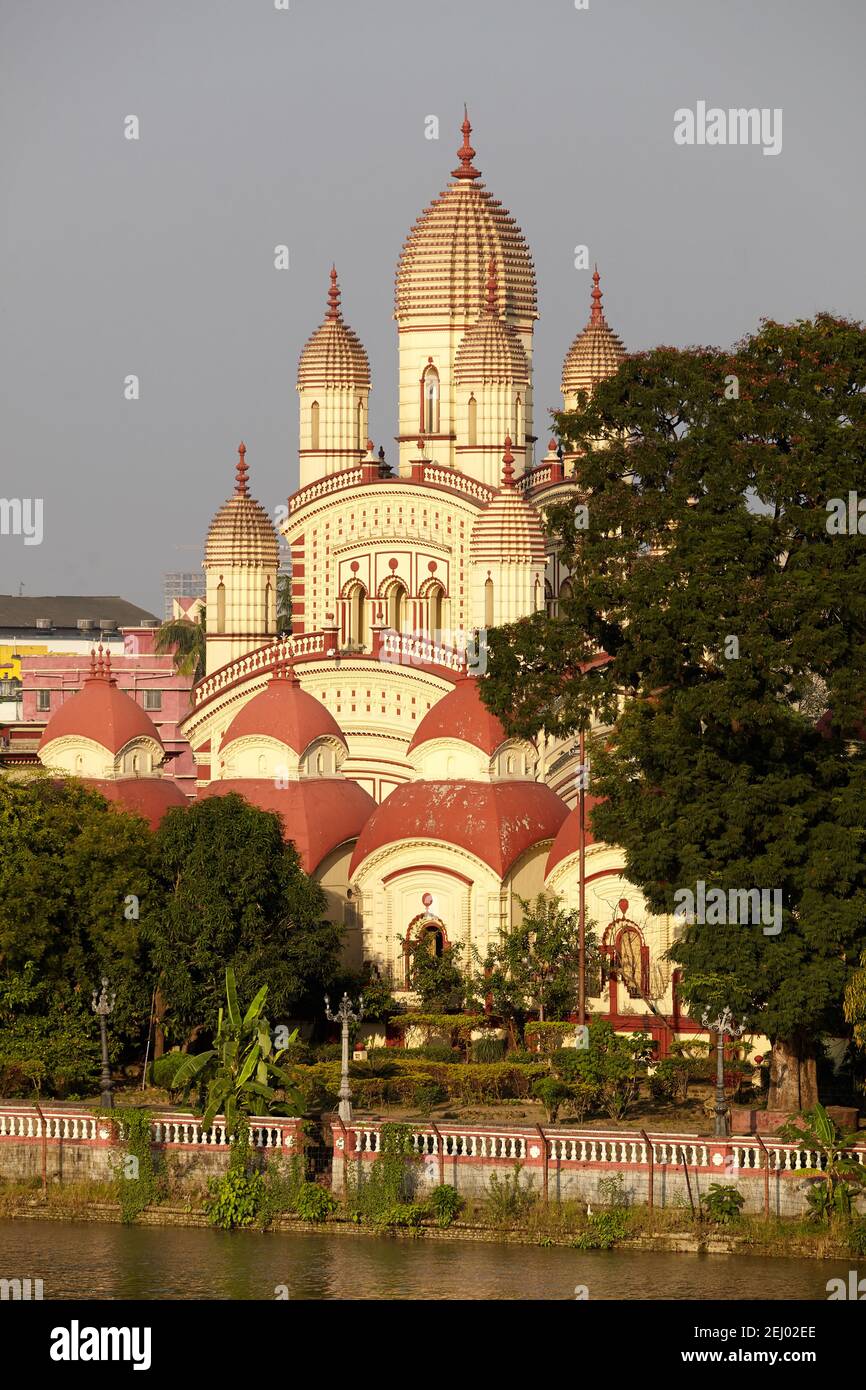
column 543, row 1137
column 651, row 1162
column 721, row 1130
column 581, row 841
column 345, row 1016
column 102, row 1006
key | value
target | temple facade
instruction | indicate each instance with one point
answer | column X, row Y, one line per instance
column 362, row 724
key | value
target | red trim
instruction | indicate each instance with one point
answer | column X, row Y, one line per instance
column 429, row 869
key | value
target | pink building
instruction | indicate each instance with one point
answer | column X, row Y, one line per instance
column 151, row 680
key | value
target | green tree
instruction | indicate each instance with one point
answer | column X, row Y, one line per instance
column 437, row 979
column 78, row 883
column 236, row 895
column 241, row 1074
column 185, row 640
column 534, row 967
column 703, row 568
column 47, row 1033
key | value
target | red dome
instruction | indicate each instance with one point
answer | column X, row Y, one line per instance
column 149, row 797
column 462, row 714
column 568, row 840
column 285, row 712
column 497, row 821
column 318, row 814
column 101, row 712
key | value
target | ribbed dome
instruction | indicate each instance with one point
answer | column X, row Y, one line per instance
column 285, row 712
column 443, row 264
column 595, row 353
column 101, row 712
column 242, row 533
column 509, row 528
column 491, row 352
column 334, row 355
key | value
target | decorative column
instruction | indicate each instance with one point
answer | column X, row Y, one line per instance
column 345, row 1016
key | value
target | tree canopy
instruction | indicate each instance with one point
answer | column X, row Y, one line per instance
column 732, row 614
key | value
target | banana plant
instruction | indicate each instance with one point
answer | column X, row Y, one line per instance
column 240, row 1074
column 839, row 1175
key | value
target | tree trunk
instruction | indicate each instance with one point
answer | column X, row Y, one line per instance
column 159, row 1025
column 793, row 1077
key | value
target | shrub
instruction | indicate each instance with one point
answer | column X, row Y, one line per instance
column 551, row 1093
column 722, row 1203
column 283, row 1180
column 582, row 1099
column 435, row 1052
column 163, row 1069
column 603, row 1230
column 390, row 1181
column 508, row 1200
column 857, row 1239
column 445, row 1204
column 488, row 1050
column 234, row 1200
column 547, row 1038
column 426, row 1094
column 409, row 1214
column 315, row 1203
column 329, row 1052
column 612, row 1192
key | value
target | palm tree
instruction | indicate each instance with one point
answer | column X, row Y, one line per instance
column 185, row 641
column 839, row 1175
column 284, row 602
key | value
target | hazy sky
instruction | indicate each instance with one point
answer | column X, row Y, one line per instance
column 306, row 127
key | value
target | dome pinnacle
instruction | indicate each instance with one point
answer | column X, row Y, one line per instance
column 333, row 310
column 466, row 154
column 508, row 464
column 597, row 313
column 241, row 489
column 492, row 305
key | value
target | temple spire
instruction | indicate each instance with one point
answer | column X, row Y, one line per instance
column 241, row 489
column 597, row 313
column 492, row 298
column 508, row 464
column 333, row 310
column 466, row 154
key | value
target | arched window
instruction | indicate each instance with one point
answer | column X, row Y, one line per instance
column 473, row 420
column 268, row 607
column 358, row 616
column 430, row 400
column 359, row 441
column 488, row 602
column 320, row 763
column 261, row 765
column 430, row 936
column 518, row 424
column 314, row 425
column 396, row 607
column 221, row 607
column 437, row 596
column 135, row 765
column 564, row 590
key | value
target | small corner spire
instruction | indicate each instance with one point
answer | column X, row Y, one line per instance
column 597, row 313
column 508, row 464
column 333, row 311
column 466, row 154
column 492, row 287
column 241, row 489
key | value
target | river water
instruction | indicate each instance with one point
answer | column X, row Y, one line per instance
column 97, row 1261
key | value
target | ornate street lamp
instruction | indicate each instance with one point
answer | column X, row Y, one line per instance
column 345, row 1016
column 102, row 1006
column 722, row 1025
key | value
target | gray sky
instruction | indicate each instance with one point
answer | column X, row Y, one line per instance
column 306, row 127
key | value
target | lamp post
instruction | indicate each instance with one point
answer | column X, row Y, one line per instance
column 102, row 1006
column 722, row 1025
column 345, row 1016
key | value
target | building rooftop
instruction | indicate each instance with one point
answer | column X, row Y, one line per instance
column 35, row 618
